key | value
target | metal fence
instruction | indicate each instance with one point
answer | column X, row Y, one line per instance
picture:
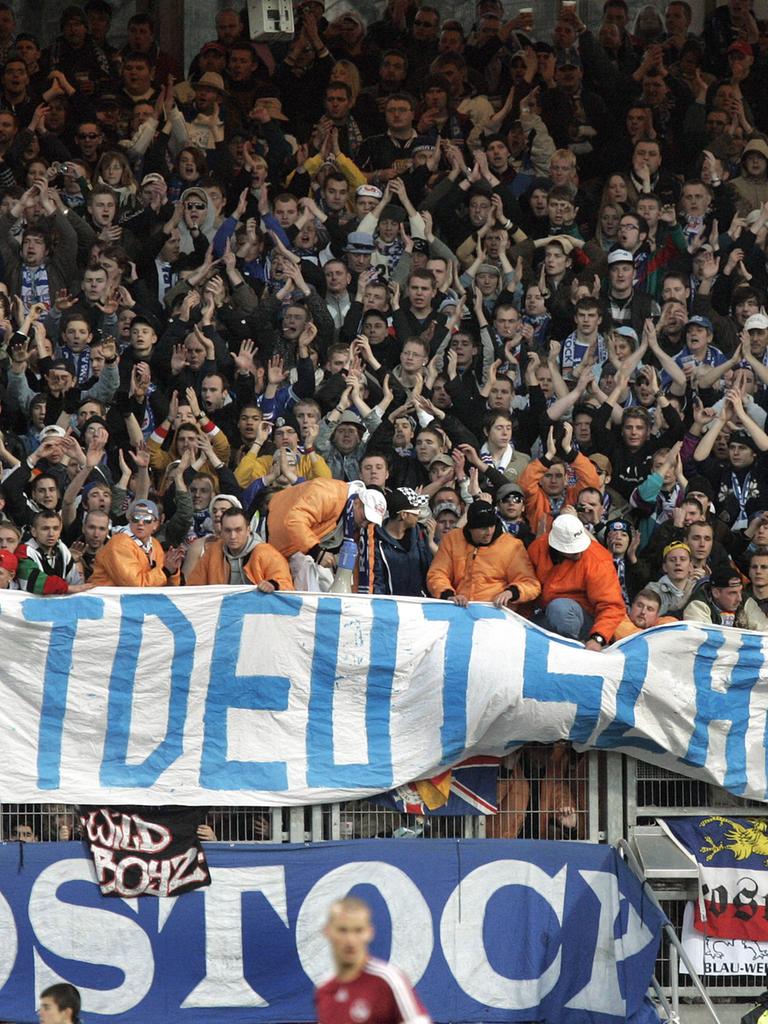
column 652, row 793
column 544, row 792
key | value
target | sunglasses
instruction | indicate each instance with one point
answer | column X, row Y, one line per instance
column 512, row 497
column 194, row 206
column 142, row 517
column 88, row 135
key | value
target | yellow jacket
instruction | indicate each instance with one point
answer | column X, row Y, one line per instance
column 252, row 467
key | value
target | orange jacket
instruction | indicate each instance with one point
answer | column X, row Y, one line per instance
column 301, row 515
column 591, row 582
column 482, row 573
column 122, row 563
column 264, row 563
column 627, row 627
column 537, row 502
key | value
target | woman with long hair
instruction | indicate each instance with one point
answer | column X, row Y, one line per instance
column 113, row 169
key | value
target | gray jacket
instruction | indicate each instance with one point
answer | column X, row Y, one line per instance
column 344, row 467
column 102, row 391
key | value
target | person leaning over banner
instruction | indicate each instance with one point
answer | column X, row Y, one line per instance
column 482, row 563
column 314, row 518
column 643, row 614
column 59, row 1004
column 363, row 988
column 238, row 557
column 133, row 558
column 580, row 592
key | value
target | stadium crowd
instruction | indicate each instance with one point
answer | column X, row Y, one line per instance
column 477, row 314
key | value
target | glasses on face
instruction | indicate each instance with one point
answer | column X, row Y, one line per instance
column 194, row 206
column 512, row 497
column 142, row 517
column 88, row 135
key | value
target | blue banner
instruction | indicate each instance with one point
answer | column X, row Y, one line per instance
column 487, row 930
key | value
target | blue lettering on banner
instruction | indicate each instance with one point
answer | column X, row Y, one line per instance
column 729, row 706
column 227, row 689
column 561, row 687
column 458, row 650
column 330, row 655
column 64, row 617
column 322, row 769
column 115, row 771
column 631, row 686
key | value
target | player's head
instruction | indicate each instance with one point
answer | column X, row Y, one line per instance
column 349, row 930
column 59, row 1004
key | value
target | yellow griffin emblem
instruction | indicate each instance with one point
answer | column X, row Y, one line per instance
column 740, row 840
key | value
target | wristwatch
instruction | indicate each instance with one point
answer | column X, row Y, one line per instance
column 598, row 638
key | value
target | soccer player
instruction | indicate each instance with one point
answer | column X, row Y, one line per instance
column 363, row 990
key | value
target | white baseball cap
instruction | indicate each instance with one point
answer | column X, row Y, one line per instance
column 568, row 535
column 52, row 430
column 620, row 256
column 756, row 322
column 375, row 505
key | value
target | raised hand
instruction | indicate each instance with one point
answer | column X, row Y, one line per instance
column 244, row 360
column 178, row 359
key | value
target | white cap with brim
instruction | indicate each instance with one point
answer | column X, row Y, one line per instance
column 375, row 505
column 52, row 430
column 620, row 256
column 756, row 322
column 568, row 535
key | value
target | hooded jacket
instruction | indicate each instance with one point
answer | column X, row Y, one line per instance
column 207, row 225
column 701, row 607
column 750, row 192
column 123, row 563
column 482, row 572
column 400, row 566
column 301, row 515
column 537, row 503
column 264, row 563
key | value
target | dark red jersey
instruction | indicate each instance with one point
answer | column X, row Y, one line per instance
column 380, row 994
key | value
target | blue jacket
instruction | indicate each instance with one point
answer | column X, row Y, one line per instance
column 400, row 567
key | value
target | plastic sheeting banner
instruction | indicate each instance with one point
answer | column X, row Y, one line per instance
column 487, row 930
column 226, row 695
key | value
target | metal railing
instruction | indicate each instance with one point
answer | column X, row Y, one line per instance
column 544, row 792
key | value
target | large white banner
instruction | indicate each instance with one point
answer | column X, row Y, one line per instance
column 225, row 695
